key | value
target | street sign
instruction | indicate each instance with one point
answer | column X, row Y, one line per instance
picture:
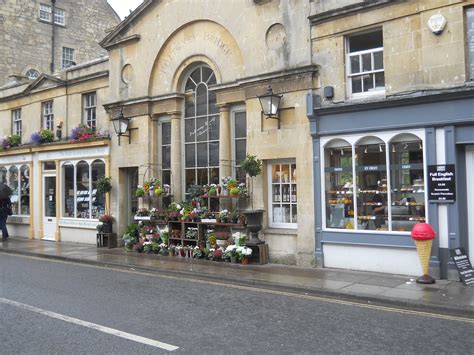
column 441, row 183
column 461, row 260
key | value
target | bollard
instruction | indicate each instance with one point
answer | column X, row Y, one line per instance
column 423, row 235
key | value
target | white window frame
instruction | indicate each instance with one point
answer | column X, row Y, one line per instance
column 59, row 16
column 293, row 200
column 235, row 110
column 16, row 122
column 387, row 138
column 48, row 115
column 166, row 120
column 350, row 75
column 67, row 57
column 74, row 163
column 7, row 178
column 90, row 109
column 45, row 13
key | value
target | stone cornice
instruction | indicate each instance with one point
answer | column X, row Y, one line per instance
column 415, row 98
column 55, row 146
column 123, row 42
column 348, row 10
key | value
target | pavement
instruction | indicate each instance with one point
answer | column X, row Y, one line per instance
column 397, row 291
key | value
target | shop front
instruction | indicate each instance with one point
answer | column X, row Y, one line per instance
column 372, row 182
column 55, row 195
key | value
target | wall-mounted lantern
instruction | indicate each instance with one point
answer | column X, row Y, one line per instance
column 121, row 124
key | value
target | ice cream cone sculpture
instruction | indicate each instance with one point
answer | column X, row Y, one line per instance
column 423, row 234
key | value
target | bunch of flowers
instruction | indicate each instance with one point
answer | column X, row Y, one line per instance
column 163, row 249
column 197, row 252
column 151, row 247
column 231, row 251
column 11, row 141
column 106, row 218
column 229, row 182
column 239, row 238
column 243, row 252
column 223, row 216
column 149, row 229
column 83, row 132
column 165, row 235
column 191, row 233
column 42, row 136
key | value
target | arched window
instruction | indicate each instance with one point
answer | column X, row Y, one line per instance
column 13, row 183
column 371, row 173
column 24, row 190
column 81, row 198
column 339, row 185
column 98, row 198
column 69, row 191
column 407, row 182
column 82, row 188
column 201, row 129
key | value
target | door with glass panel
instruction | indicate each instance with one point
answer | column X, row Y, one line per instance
column 49, row 207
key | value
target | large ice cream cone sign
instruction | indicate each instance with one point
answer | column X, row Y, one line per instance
column 423, row 234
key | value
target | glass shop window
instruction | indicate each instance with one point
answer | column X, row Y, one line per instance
column 69, row 191
column 339, row 185
column 283, row 199
column 407, row 182
column 371, row 184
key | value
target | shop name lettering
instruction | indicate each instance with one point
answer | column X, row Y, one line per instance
column 439, row 176
column 371, row 168
column 202, row 129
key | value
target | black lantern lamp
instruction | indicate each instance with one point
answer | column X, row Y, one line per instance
column 121, row 124
column 271, row 104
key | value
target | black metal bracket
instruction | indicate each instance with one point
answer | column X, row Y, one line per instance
column 129, row 135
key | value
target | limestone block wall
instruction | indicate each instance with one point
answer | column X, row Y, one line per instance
column 25, row 41
column 239, row 37
column 414, row 57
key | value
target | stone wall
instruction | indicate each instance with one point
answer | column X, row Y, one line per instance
column 414, row 57
column 25, row 41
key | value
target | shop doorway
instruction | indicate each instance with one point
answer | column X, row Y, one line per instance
column 131, row 198
column 49, row 207
column 470, row 198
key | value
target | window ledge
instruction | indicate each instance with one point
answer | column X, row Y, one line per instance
column 282, row 231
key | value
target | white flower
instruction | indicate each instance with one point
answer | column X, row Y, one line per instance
column 162, row 245
column 178, row 206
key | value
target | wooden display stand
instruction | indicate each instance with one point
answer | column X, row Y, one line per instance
column 108, row 240
column 259, row 254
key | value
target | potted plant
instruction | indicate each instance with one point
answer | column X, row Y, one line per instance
column 107, row 221
column 139, row 192
column 104, row 184
column 243, row 254
column 253, row 167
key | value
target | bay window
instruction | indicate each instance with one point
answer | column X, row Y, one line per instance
column 374, row 183
column 81, row 198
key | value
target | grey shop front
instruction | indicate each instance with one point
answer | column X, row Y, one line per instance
column 371, row 164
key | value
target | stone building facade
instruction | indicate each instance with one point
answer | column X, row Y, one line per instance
column 27, row 32
column 376, row 94
column 395, row 104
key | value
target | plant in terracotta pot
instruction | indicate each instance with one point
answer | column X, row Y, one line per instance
column 253, row 167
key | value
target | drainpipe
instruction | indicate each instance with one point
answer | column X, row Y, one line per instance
column 53, row 4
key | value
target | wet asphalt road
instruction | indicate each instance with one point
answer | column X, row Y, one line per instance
column 197, row 317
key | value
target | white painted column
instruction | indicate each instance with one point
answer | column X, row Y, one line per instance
column 442, row 208
column 225, row 152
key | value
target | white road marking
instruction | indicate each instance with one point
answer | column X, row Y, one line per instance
column 100, row 328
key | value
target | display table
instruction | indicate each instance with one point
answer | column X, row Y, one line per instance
column 108, row 240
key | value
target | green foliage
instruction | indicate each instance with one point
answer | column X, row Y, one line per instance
column 252, row 166
column 133, row 229
column 139, row 192
column 47, row 136
column 104, row 184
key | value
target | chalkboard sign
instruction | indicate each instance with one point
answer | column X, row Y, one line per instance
column 441, row 183
column 463, row 265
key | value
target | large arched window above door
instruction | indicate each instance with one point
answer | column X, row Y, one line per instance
column 201, row 128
